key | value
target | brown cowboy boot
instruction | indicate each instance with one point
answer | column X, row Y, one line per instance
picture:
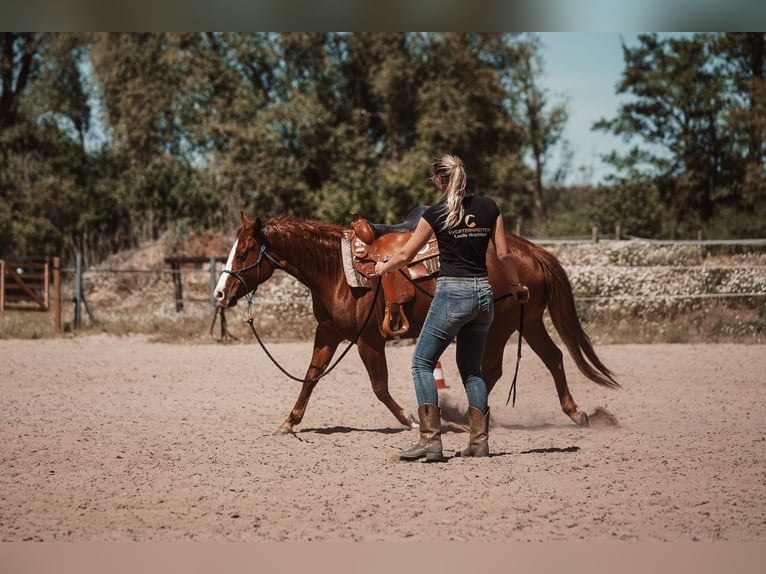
column 430, row 444
column 478, row 424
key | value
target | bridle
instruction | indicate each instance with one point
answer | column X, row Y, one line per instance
column 237, row 274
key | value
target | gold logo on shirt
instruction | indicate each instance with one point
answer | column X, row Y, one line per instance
column 468, row 219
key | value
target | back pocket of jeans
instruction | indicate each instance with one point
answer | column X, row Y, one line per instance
column 460, row 305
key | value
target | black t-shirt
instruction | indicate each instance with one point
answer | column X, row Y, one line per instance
column 463, row 249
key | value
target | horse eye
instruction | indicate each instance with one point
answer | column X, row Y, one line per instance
column 240, row 257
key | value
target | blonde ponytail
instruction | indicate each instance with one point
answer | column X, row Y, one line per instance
column 450, row 168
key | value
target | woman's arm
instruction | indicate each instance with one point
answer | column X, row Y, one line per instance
column 407, row 252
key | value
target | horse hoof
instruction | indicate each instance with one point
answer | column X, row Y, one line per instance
column 584, row 420
column 283, row 430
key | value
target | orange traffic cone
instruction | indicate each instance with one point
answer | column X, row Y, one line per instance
column 439, row 376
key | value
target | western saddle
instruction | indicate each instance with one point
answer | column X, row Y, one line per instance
column 373, row 242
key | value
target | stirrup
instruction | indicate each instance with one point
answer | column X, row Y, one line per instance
column 386, row 327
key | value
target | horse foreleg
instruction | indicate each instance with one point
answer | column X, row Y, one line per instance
column 544, row 347
column 325, row 344
column 374, row 358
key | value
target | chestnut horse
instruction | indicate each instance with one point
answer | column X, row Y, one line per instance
column 310, row 251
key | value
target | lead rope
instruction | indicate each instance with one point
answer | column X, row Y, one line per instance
column 338, row 360
column 518, row 359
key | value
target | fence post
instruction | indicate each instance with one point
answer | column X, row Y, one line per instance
column 594, row 234
column 178, row 288
column 56, row 295
column 2, row 285
column 700, row 248
column 47, row 284
column 518, row 226
column 213, row 281
column 617, row 232
column 78, row 290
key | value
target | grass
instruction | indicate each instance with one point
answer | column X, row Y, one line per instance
column 26, row 325
column 717, row 323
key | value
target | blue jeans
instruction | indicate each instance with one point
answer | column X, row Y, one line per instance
column 462, row 309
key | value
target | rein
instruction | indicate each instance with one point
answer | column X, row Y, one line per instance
column 512, row 389
column 331, row 367
column 263, row 253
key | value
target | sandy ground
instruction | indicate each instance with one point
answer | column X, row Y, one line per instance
column 122, row 439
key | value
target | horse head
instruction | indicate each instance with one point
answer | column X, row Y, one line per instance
column 249, row 264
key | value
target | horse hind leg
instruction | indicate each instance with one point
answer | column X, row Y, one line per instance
column 324, row 348
column 541, row 343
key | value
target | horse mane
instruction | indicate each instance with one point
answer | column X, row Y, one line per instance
column 309, row 242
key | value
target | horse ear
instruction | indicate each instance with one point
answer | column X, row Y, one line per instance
column 256, row 225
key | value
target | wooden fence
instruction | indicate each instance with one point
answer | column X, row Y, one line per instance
column 25, row 285
column 176, row 264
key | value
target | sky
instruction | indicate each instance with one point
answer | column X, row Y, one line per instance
column 583, row 69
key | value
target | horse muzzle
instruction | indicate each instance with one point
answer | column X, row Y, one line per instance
column 224, row 300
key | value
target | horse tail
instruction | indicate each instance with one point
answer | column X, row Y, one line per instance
column 563, row 312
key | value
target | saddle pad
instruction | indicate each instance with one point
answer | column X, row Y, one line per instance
column 353, row 277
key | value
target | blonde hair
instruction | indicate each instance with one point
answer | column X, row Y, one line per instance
column 450, row 168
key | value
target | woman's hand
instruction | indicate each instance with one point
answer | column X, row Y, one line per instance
column 414, row 244
column 379, row 268
column 521, row 292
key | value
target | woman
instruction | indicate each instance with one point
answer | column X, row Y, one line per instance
column 462, row 307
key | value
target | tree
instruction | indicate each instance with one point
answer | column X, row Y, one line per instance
column 695, row 108
column 17, row 59
column 745, row 118
column 44, row 114
column 145, row 85
column 544, row 125
column 467, row 105
column 198, row 126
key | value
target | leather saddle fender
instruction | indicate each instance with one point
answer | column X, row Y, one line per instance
column 376, row 242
